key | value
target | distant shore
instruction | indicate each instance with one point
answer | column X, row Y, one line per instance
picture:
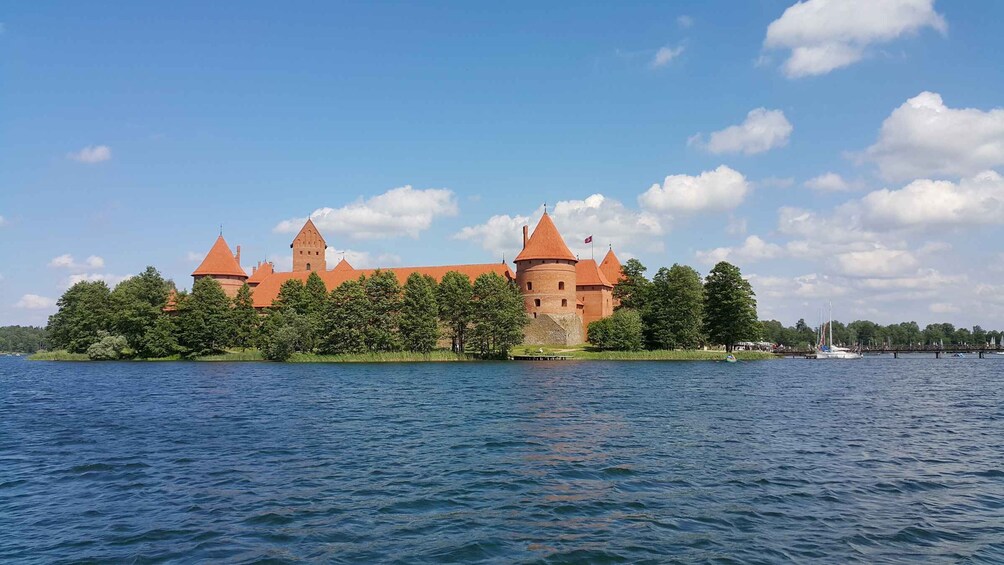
column 440, row 356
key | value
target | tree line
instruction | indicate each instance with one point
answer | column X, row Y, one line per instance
column 871, row 334
column 371, row 314
column 21, row 339
column 677, row 309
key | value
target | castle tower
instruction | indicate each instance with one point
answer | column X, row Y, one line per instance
column 545, row 273
column 308, row 249
column 221, row 265
column 611, row 269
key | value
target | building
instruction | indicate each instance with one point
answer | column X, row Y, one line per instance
column 561, row 294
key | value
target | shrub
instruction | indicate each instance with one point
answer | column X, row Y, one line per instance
column 109, row 348
column 622, row 331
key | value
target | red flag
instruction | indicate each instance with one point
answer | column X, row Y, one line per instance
column 589, row 239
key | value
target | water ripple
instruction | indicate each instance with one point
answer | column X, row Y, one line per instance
column 882, row 461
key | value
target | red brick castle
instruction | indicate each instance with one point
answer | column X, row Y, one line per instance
column 562, row 293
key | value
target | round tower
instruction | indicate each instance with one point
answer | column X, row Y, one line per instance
column 223, row 266
column 545, row 271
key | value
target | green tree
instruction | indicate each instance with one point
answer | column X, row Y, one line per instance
column 633, row 290
column 454, row 301
column 22, row 339
column 622, row 331
column 419, row 313
column 675, row 312
column 244, row 317
column 136, row 305
column 204, row 320
column 384, row 295
column 84, row 310
column 730, row 307
column 498, row 315
column 162, row 339
column 346, row 314
column 292, row 297
column 108, row 348
column 283, row 333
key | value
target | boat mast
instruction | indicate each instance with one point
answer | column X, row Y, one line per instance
column 831, row 326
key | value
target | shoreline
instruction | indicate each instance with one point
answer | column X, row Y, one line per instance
column 568, row 353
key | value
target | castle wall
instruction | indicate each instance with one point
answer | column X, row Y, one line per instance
column 548, row 286
column 230, row 284
column 597, row 303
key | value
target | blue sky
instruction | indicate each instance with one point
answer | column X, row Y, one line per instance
column 838, row 151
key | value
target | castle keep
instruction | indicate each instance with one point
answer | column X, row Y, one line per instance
column 561, row 293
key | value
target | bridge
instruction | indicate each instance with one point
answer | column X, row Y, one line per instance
column 938, row 351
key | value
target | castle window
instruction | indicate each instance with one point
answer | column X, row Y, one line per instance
column 308, row 266
column 301, row 252
column 561, row 285
column 534, row 314
column 529, row 286
column 536, row 302
column 564, row 302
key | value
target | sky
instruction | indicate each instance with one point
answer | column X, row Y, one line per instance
column 836, row 151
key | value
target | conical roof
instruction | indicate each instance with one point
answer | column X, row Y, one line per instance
column 611, row 267
column 588, row 273
column 220, row 261
column 545, row 243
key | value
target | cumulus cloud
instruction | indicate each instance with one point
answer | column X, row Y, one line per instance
column 752, row 250
column 665, row 55
column 761, row 131
column 875, row 263
column 944, row 308
column 66, row 261
column 831, row 182
column 35, row 302
column 402, row 211
column 92, row 154
column 721, row 189
column 823, row 35
column 925, row 202
column 360, row 259
column 926, row 138
column 606, row 219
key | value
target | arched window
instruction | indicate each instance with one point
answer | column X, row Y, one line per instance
column 308, row 266
column 561, row 285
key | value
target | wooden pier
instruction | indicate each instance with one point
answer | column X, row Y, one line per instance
column 538, row 357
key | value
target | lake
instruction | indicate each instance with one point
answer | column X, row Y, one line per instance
column 874, row 461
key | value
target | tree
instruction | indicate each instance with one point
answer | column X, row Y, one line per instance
column 454, row 300
column 84, row 310
column 498, row 315
column 419, row 327
column 347, row 312
column 622, row 331
column 634, row 289
column 21, row 339
column 730, row 306
column 204, row 320
column 108, row 348
column 675, row 313
column 244, row 318
column 384, row 295
column 136, row 305
column 283, row 333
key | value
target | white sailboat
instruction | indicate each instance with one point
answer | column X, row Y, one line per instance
column 826, row 350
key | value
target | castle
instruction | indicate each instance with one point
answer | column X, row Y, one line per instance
column 562, row 294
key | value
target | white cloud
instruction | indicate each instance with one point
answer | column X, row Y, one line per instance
column 761, row 131
column 402, row 211
column 721, row 189
column 824, row 35
column 875, row 263
column 831, row 182
column 66, row 261
column 684, row 21
column 944, row 308
column 92, row 154
column 927, row 203
column 604, row 218
column 360, row 259
column 925, row 138
column 35, row 302
column 665, row 55
column 109, row 279
column 752, row 250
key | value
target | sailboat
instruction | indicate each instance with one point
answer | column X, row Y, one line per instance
column 826, row 350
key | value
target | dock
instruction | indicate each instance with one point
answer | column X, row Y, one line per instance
column 539, row 357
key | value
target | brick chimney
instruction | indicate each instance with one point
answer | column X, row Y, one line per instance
column 526, row 235
column 238, row 256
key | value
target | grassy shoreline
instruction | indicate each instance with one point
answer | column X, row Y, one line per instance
column 578, row 353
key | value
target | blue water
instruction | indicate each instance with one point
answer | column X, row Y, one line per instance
column 875, row 461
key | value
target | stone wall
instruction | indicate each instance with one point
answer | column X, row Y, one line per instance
column 553, row 329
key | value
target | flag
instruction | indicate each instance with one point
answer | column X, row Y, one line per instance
column 589, row 239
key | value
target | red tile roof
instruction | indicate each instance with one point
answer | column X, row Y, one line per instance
column 309, row 235
column 268, row 290
column 220, row 261
column 545, row 243
column 263, row 270
column 611, row 267
column 588, row 274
